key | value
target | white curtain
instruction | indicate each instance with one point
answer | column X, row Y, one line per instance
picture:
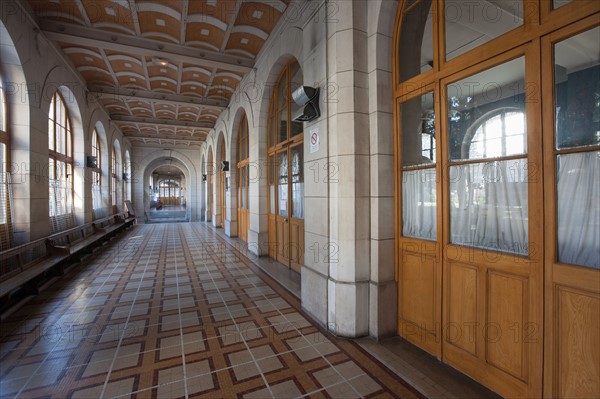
column 298, row 198
column 578, row 190
column 419, row 204
column 488, row 205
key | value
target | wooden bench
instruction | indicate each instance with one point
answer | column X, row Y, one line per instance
column 22, row 265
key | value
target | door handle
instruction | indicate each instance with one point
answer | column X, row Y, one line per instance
column 286, row 220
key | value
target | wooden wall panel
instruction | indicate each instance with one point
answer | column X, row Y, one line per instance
column 578, row 344
column 418, row 290
column 506, row 310
column 462, row 307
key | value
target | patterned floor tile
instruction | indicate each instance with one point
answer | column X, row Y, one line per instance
column 177, row 312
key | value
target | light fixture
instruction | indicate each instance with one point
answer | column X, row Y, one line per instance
column 160, row 61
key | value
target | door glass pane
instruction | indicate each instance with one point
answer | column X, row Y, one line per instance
column 419, row 204
column 471, row 23
column 282, row 118
column 418, row 131
column 297, row 183
column 488, row 205
column 272, row 125
column 244, row 187
column 577, row 90
column 296, row 81
column 282, row 184
column 578, row 180
column 560, row 3
column 2, row 108
column 486, row 113
column 272, row 174
column 416, row 39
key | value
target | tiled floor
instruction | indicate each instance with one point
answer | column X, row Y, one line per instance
column 169, row 311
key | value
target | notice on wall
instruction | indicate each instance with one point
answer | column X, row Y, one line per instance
column 314, row 140
column 283, row 205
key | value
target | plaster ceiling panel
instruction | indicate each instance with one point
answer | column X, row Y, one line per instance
column 244, row 44
column 204, row 35
column 163, row 85
column 192, row 89
column 96, row 76
column 169, row 71
column 259, row 15
column 132, row 81
column 114, row 16
column 220, row 9
column 219, row 93
column 160, row 26
column 85, row 58
column 125, row 63
column 195, row 74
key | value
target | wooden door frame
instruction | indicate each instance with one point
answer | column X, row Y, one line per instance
column 558, row 276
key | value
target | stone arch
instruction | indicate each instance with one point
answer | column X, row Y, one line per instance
column 158, row 158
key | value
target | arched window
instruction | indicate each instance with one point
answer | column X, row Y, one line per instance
column 96, row 172
column 128, row 176
column 60, row 168
column 499, row 133
column 114, row 178
column 243, row 179
column 5, row 213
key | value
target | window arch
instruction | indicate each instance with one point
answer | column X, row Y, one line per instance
column 127, row 167
column 5, row 210
column 499, row 133
column 60, row 168
column 114, row 177
column 96, row 172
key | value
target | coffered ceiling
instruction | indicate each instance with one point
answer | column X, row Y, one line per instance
column 163, row 70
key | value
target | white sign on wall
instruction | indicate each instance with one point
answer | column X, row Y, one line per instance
column 314, row 140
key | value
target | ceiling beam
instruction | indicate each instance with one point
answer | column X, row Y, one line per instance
column 150, row 96
column 91, row 37
column 162, row 122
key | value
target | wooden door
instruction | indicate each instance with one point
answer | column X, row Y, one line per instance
column 272, row 214
column 282, row 219
column 296, row 206
column 492, row 265
column 243, row 213
column 222, row 198
column 572, row 189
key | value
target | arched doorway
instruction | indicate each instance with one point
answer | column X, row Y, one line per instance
column 286, row 171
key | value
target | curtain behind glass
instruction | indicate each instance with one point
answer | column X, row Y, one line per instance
column 419, row 204
column 488, row 205
column 578, row 192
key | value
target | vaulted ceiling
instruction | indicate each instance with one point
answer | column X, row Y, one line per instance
column 163, row 70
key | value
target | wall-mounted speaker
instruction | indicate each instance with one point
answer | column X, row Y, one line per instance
column 225, row 166
column 307, row 97
column 91, row 161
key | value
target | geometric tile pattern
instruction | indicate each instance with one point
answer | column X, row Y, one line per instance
column 171, row 311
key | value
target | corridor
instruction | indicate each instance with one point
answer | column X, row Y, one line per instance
column 172, row 310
